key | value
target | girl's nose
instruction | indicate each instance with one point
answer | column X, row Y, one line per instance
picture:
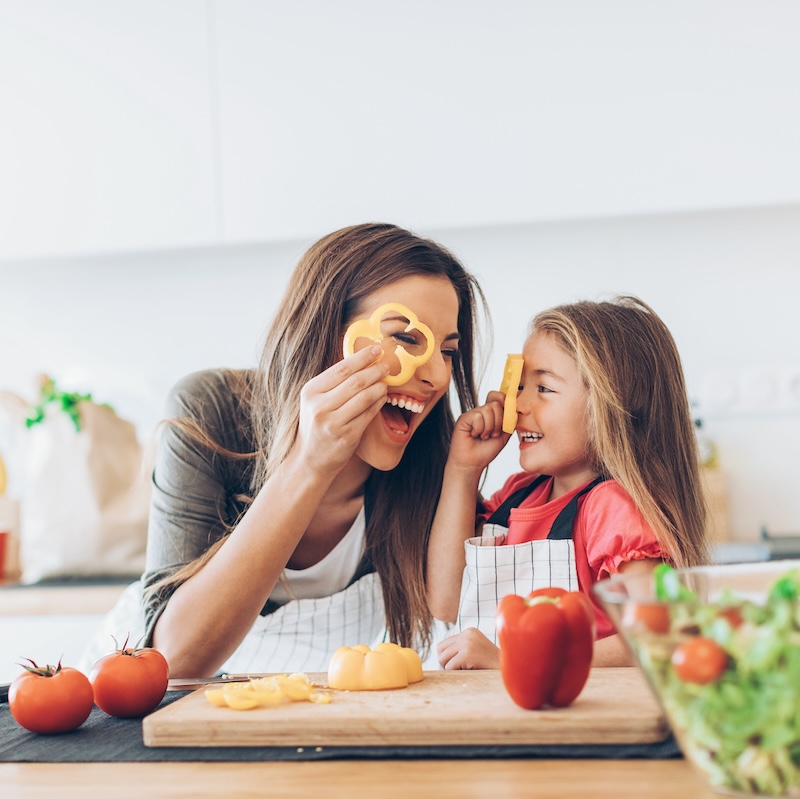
column 522, row 401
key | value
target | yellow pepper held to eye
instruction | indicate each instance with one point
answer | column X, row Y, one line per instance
column 359, row 668
column 510, row 386
column 371, row 329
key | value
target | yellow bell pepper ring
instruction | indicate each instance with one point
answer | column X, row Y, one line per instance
column 359, row 668
column 512, row 375
column 371, row 329
column 264, row 691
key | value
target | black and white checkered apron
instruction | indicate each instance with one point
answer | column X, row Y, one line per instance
column 495, row 569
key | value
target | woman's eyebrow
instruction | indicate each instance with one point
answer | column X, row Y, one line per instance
column 452, row 337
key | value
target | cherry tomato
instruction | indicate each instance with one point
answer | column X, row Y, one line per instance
column 653, row 616
column 129, row 682
column 733, row 616
column 50, row 699
column 699, row 660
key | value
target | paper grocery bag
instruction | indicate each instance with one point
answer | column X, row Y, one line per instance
column 85, row 498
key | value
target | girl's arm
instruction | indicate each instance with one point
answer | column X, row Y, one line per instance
column 476, row 442
column 612, row 650
column 207, row 616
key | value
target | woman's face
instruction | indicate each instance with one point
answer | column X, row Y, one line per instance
column 435, row 303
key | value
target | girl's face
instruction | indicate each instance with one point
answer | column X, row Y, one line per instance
column 552, row 408
column 435, row 302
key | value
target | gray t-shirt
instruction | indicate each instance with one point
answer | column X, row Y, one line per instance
column 196, row 491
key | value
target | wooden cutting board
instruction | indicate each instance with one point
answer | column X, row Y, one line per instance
column 458, row 708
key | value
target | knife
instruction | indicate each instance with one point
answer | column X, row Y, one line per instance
column 4, row 692
column 188, row 683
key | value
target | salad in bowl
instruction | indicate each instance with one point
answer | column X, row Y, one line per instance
column 720, row 646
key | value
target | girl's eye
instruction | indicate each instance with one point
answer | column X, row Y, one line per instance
column 544, row 390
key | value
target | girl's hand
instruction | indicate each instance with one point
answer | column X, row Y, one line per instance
column 336, row 407
column 469, row 649
column 478, row 436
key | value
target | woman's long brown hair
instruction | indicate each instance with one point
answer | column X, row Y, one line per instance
column 640, row 424
column 326, row 291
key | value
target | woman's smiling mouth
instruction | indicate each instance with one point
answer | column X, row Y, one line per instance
column 398, row 413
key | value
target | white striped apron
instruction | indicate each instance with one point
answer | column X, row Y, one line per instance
column 303, row 634
column 495, row 569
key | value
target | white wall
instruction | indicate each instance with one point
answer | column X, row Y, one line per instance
column 163, row 166
column 140, row 125
column 727, row 283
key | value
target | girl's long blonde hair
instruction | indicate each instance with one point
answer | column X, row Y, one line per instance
column 326, row 291
column 641, row 432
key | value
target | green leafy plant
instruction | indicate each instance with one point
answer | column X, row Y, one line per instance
column 68, row 402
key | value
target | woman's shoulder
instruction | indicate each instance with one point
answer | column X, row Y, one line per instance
column 210, row 387
column 219, row 401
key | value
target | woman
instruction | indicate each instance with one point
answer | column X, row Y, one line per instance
column 292, row 503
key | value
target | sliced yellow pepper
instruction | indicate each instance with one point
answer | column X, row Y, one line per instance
column 261, row 691
column 512, row 374
column 371, row 329
column 359, row 668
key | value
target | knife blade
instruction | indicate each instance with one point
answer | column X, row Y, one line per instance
column 186, row 683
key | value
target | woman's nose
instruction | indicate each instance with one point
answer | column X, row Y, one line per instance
column 434, row 371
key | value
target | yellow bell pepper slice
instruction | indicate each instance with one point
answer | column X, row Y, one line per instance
column 360, row 668
column 512, row 374
column 371, row 329
column 265, row 691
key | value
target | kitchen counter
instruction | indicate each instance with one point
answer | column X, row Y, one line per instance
column 389, row 779
column 59, row 598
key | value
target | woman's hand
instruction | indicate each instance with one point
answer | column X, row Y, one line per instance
column 469, row 649
column 478, row 436
column 337, row 405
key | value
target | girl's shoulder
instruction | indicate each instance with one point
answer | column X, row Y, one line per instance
column 610, row 497
column 512, row 484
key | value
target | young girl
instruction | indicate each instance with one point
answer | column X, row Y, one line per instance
column 611, row 480
column 292, row 503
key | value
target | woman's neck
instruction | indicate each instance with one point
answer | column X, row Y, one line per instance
column 335, row 515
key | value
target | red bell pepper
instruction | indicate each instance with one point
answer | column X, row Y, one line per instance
column 546, row 642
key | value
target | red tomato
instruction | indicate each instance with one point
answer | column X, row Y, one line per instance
column 50, row 699
column 650, row 615
column 699, row 660
column 732, row 614
column 129, row 682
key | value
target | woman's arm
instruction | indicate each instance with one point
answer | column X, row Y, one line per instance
column 206, row 618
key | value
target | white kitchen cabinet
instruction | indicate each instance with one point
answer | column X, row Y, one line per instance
column 141, row 124
column 106, row 127
column 439, row 114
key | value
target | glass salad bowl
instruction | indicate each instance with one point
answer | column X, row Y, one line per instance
column 720, row 647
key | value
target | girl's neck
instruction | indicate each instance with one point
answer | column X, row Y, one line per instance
column 564, row 483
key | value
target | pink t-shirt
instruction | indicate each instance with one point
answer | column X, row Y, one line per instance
column 608, row 530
